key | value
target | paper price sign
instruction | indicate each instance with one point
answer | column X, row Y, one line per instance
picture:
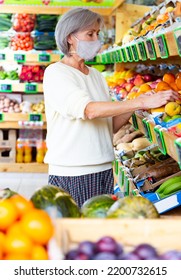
column 2, row 56
column 114, row 56
column 116, row 163
column 126, row 186
column 142, row 50
column 160, row 140
column 5, row 88
column 30, row 88
column 134, row 53
column 35, row 117
column 162, row 44
column 134, row 121
column 177, row 35
column 147, row 130
column 123, row 54
column 121, row 176
column 1, row 117
column 177, row 143
column 118, row 56
column 151, row 49
column 44, row 58
column 19, row 57
column 129, row 54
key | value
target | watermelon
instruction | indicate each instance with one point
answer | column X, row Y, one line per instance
column 97, row 206
column 134, row 208
column 6, row 193
column 56, row 201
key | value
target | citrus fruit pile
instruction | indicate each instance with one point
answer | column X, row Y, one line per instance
column 24, row 230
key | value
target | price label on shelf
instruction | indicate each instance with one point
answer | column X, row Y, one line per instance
column 151, row 49
column 121, row 177
column 142, row 50
column 5, row 88
column 134, row 53
column 2, row 56
column 126, row 186
column 160, row 140
column 134, row 121
column 18, row 57
column 1, row 117
column 104, row 60
column 118, row 56
column 35, row 117
column 30, row 88
column 129, row 54
column 44, row 57
column 162, row 44
column 114, row 56
column 177, row 35
column 177, row 144
column 147, row 130
column 123, row 54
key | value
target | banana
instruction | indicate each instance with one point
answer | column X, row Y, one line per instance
column 168, row 183
column 171, row 190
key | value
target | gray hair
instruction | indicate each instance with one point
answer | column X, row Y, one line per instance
column 75, row 20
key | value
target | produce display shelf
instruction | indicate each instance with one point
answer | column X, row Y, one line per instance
column 28, row 88
column 129, row 232
column 24, row 167
column 12, row 120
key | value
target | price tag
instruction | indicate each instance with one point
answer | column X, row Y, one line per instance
column 44, row 57
column 35, row 117
column 30, row 88
column 134, row 121
column 114, row 56
column 1, row 117
column 98, row 58
column 2, row 56
column 147, row 129
column 108, row 57
column 162, row 44
column 21, row 58
column 104, row 58
column 123, row 54
column 177, row 144
column 160, row 140
column 5, row 88
column 118, row 55
column 142, row 50
column 121, row 177
column 134, row 53
column 177, row 35
column 126, row 186
column 129, row 54
column 151, row 49
column 116, row 163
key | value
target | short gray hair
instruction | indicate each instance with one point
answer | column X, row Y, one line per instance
column 75, row 20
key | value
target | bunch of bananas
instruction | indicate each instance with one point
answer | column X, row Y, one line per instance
column 169, row 187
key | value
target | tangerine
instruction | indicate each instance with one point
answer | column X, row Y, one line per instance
column 169, row 78
column 144, row 88
column 162, row 86
column 178, row 81
column 38, row 226
column 22, row 204
column 17, row 256
column 39, row 253
column 8, row 214
column 2, row 241
column 20, row 243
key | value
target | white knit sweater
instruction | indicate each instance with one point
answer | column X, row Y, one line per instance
column 76, row 146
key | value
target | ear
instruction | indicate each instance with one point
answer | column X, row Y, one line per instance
column 69, row 39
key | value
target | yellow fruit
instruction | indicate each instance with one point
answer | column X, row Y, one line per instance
column 158, row 110
column 172, row 109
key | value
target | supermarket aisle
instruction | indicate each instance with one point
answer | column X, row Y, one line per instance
column 24, row 183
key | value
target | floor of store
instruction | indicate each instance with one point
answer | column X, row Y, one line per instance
column 23, row 183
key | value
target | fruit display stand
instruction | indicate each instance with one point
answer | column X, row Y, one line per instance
column 129, row 232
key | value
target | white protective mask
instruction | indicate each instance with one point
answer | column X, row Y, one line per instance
column 87, row 49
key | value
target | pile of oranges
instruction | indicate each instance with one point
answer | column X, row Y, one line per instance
column 24, row 230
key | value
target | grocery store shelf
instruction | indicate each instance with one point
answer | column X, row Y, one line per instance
column 20, row 87
column 24, row 167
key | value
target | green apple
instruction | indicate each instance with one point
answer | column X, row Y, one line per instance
column 167, row 119
column 176, row 117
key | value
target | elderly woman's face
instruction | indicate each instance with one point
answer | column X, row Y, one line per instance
column 90, row 34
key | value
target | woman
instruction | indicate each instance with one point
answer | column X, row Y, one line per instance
column 80, row 116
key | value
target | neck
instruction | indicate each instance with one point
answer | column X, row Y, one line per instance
column 76, row 62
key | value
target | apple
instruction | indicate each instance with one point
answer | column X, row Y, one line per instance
column 148, row 78
column 138, row 80
column 128, row 86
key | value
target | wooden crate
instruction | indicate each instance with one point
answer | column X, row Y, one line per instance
column 163, row 233
column 8, row 145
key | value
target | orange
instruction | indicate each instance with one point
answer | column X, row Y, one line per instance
column 174, row 86
column 2, row 241
column 39, row 253
column 8, row 214
column 162, row 86
column 38, row 226
column 22, row 204
column 169, row 78
column 144, row 88
column 18, row 243
column 17, row 256
column 178, row 81
column 15, row 228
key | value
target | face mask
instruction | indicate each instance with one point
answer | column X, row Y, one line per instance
column 88, row 49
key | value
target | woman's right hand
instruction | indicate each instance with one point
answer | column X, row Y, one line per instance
column 154, row 100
